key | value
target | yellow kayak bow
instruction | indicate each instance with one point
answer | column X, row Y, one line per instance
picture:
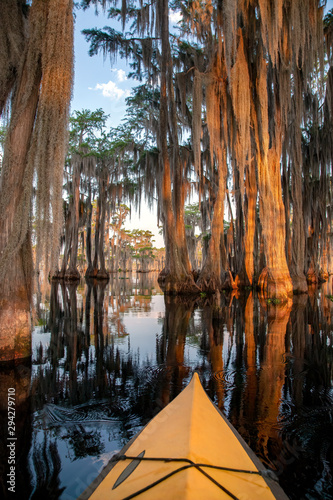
column 189, row 451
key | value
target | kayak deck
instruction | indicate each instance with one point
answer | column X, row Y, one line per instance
column 188, row 451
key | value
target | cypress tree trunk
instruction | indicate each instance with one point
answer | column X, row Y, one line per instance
column 97, row 239
column 176, row 277
column 68, row 239
column 72, row 272
column 175, row 273
column 274, row 280
column 41, row 97
column 212, row 274
column 297, row 265
column 102, row 273
column 250, row 218
column 88, row 242
column 15, row 286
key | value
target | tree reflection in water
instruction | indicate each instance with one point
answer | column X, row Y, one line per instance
column 112, row 355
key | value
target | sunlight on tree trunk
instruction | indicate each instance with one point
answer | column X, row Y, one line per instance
column 35, row 143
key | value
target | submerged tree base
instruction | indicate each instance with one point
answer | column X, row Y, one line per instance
column 209, row 284
column 299, row 284
column 72, row 275
column 172, row 284
column 97, row 274
column 67, row 276
column 275, row 285
column 15, row 331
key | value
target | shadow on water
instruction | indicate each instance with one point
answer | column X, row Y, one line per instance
column 110, row 356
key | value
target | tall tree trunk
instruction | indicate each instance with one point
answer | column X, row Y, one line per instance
column 250, row 218
column 67, row 246
column 297, row 265
column 212, row 274
column 237, row 236
column 15, row 286
column 102, row 273
column 12, row 46
column 274, row 281
column 176, row 277
column 72, row 272
column 97, row 238
column 44, row 81
column 88, row 242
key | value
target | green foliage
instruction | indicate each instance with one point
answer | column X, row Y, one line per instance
column 85, row 127
column 3, row 131
column 328, row 20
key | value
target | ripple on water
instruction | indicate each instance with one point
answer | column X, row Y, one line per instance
column 225, row 377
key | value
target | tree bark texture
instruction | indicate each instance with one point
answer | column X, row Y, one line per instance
column 176, row 277
column 212, row 274
column 274, row 281
column 72, row 272
column 15, row 295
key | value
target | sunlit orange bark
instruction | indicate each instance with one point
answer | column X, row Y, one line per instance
column 15, row 320
column 214, row 265
column 297, row 264
column 176, row 276
column 27, row 152
column 274, row 281
column 177, row 265
column 250, row 221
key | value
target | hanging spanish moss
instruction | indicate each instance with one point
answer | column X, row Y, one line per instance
column 51, row 41
column 197, row 121
column 39, row 89
column 12, row 45
column 241, row 101
column 50, row 133
column 243, row 83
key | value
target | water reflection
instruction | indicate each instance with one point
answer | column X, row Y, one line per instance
column 15, row 378
column 110, row 356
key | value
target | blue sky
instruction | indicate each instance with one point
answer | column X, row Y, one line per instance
column 97, row 84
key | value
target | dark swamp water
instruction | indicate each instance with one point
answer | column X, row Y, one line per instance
column 108, row 357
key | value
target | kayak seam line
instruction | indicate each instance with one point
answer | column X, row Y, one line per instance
column 146, row 488
column 190, row 463
column 155, row 483
column 161, row 459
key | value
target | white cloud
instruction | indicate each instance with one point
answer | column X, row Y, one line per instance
column 121, row 75
column 174, row 16
column 111, row 90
